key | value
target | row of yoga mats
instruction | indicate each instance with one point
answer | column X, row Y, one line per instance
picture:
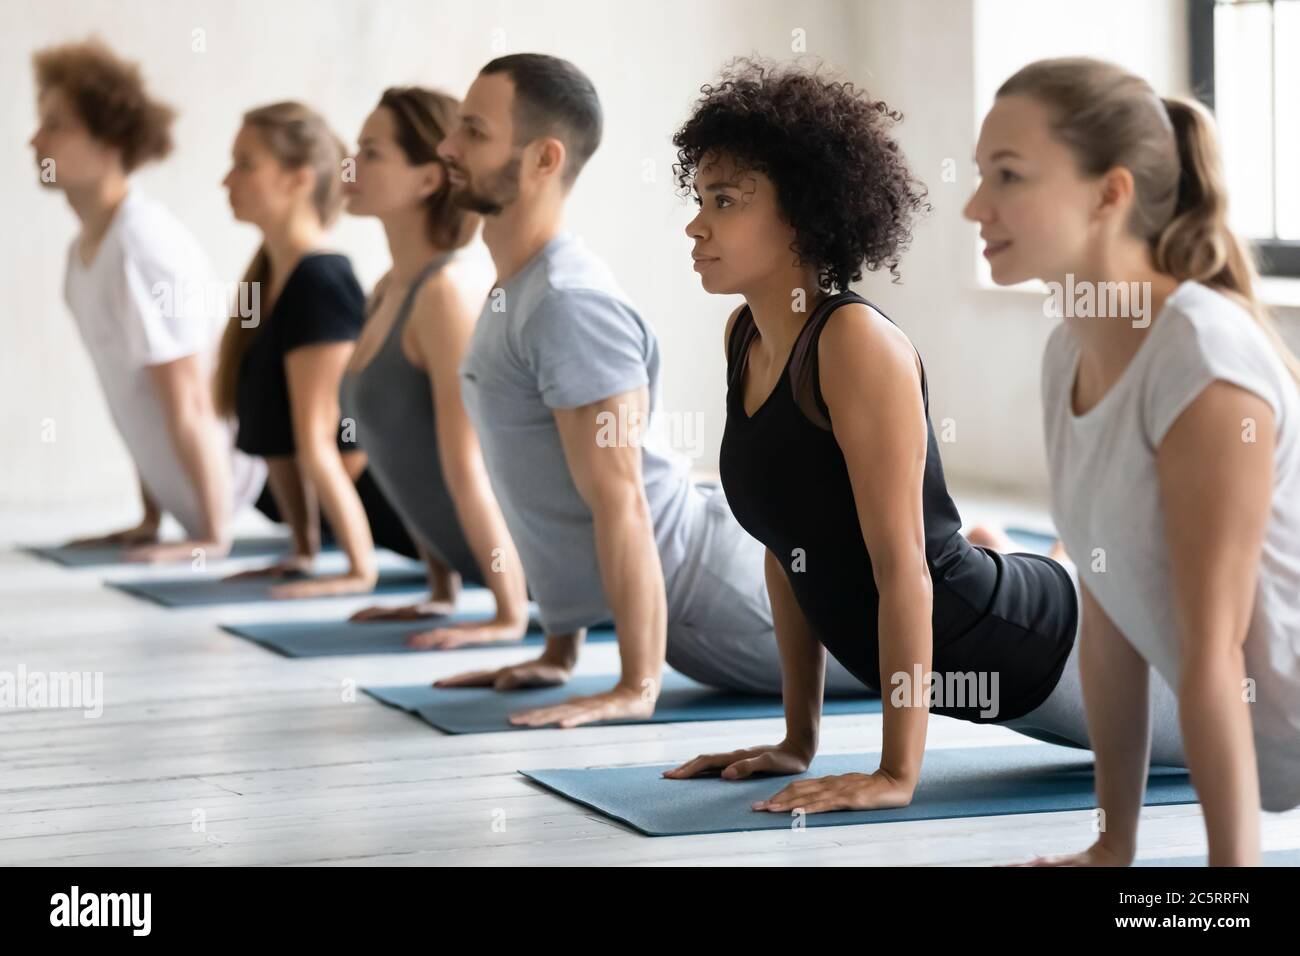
column 103, row 555
column 955, row 783
column 269, row 546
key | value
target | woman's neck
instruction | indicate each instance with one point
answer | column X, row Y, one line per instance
column 1108, row 336
column 289, row 241
column 409, row 245
column 781, row 305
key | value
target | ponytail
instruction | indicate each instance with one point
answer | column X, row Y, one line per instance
column 237, row 337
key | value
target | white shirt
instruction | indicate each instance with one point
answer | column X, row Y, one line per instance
column 1106, row 495
column 150, row 297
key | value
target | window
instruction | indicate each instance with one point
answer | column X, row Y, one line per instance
column 1246, row 67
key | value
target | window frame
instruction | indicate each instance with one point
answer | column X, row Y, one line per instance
column 1277, row 257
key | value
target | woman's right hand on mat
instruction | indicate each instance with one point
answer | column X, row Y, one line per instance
column 405, row 612
column 535, row 673
column 780, row 759
column 144, row 533
column 291, row 567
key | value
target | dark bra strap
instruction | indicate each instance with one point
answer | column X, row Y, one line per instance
column 429, row 270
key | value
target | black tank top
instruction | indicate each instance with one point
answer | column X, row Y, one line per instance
column 1009, row 617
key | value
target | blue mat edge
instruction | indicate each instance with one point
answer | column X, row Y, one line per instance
column 825, row 820
column 268, row 644
column 374, row 690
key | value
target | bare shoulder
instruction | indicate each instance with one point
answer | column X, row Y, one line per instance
column 446, row 297
column 858, row 340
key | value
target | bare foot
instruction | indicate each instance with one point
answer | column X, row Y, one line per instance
column 989, row 536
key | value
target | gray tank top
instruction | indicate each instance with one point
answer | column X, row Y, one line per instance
column 392, row 402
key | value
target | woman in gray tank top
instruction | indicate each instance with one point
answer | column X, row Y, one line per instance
column 401, row 387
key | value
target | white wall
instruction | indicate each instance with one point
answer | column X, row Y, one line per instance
column 937, row 60
column 647, row 61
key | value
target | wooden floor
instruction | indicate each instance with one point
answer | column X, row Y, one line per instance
column 200, row 727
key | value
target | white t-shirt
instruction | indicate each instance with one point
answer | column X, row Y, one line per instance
column 1106, row 495
column 150, row 297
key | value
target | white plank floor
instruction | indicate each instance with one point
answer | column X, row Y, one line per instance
column 198, row 724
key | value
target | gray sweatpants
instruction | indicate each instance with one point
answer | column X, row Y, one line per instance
column 720, row 629
column 1061, row 718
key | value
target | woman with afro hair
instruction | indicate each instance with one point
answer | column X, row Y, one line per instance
column 829, row 459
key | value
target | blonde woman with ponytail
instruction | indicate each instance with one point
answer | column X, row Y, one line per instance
column 279, row 374
column 1173, row 436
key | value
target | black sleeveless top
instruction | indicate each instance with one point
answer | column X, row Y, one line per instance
column 321, row 301
column 1008, row 617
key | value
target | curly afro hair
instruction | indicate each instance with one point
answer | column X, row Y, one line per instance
column 841, row 181
column 109, row 95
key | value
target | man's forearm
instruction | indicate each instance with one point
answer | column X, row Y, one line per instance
column 633, row 579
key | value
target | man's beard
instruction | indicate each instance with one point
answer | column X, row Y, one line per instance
column 499, row 191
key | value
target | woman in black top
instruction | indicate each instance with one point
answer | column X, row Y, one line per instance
column 828, row 457
column 280, row 372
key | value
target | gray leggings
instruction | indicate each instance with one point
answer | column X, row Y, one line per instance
column 1060, row 719
column 720, row 628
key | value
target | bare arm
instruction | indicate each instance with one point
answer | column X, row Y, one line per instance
column 803, row 681
column 879, row 423
column 314, row 373
column 196, row 438
column 297, row 504
column 608, row 477
column 1116, row 697
column 441, row 324
column 152, row 516
column 1216, row 492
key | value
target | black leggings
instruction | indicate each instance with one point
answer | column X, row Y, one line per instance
column 385, row 526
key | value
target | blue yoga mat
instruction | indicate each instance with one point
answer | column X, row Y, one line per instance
column 481, row 710
column 966, row 782
column 1267, row 858
column 89, row 557
column 1035, row 541
column 204, row 589
column 334, row 638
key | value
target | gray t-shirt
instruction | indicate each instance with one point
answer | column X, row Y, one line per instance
column 558, row 334
column 1106, row 501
